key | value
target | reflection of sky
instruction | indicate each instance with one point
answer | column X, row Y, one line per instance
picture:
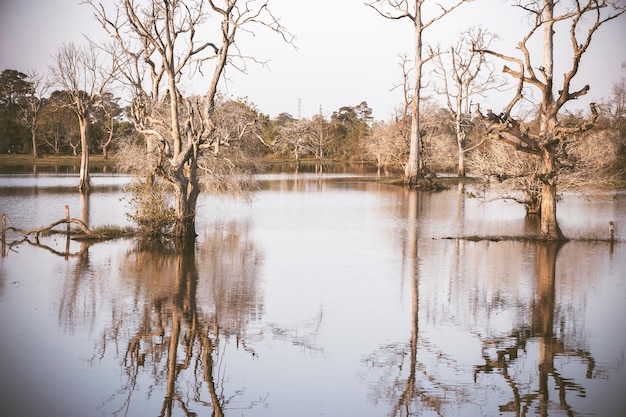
column 334, row 277
column 34, row 201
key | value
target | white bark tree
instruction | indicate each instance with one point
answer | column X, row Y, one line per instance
column 412, row 10
column 81, row 72
column 584, row 18
column 161, row 41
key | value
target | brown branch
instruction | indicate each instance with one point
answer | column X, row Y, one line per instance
column 509, row 131
column 583, row 127
column 42, row 229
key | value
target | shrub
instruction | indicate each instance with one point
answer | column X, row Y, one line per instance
column 150, row 202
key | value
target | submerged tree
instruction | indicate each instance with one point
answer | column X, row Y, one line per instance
column 547, row 144
column 161, row 43
column 412, row 10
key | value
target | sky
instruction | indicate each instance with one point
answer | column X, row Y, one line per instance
column 346, row 53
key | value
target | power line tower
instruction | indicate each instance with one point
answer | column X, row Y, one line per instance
column 299, row 108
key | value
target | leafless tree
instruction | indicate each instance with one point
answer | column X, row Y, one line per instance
column 108, row 113
column 412, row 10
column 584, row 19
column 161, row 42
column 295, row 138
column 510, row 174
column 32, row 104
column 407, row 98
column 84, row 75
column 464, row 74
column 387, row 144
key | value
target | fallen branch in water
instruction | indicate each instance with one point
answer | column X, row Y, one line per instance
column 43, row 229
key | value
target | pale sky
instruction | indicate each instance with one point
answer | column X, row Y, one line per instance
column 346, row 52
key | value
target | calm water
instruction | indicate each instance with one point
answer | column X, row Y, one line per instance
column 323, row 296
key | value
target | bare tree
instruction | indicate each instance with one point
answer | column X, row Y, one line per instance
column 387, row 145
column 161, row 43
column 108, row 113
column 584, row 19
column 412, row 10
column 32, row 105
column 81, row 72
column 296, row 137
column 510, row 174
column 463, row 75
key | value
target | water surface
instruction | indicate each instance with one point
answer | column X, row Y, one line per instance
column 326, row 295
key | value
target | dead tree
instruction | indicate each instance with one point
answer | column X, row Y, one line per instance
column 464, row 74
column 80, row 71
column 412, row 10
column 160, row 41
column 32, row 105
column 584, row 19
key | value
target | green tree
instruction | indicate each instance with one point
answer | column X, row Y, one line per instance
column 31, row 105
column 349, row 125
column 106, row 118
column 58, row 126
column 14, row 86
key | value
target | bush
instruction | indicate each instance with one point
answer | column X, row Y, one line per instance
column 150, row 202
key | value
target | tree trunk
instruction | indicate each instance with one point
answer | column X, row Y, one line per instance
column 548, row 123
column 186, row 191
column 84, row 183
column 33, row 135
column 412, row 169
column 550, row 229
column 461, row 150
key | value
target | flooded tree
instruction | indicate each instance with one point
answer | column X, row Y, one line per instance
column 412, row 10
column 547, row 143
column 164, row 43
column 84, row 77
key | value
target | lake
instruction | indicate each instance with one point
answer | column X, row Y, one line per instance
column 324, row 295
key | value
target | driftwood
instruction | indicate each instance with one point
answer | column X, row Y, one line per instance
column 43, row 229
column 67, row 220
column 32, row 236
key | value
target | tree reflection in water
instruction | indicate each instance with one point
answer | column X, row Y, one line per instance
column 186, row 304
column 420, row 377
column 501, row 354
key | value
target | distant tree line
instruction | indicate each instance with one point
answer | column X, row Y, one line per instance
column 350, row 133
column 51, row 121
